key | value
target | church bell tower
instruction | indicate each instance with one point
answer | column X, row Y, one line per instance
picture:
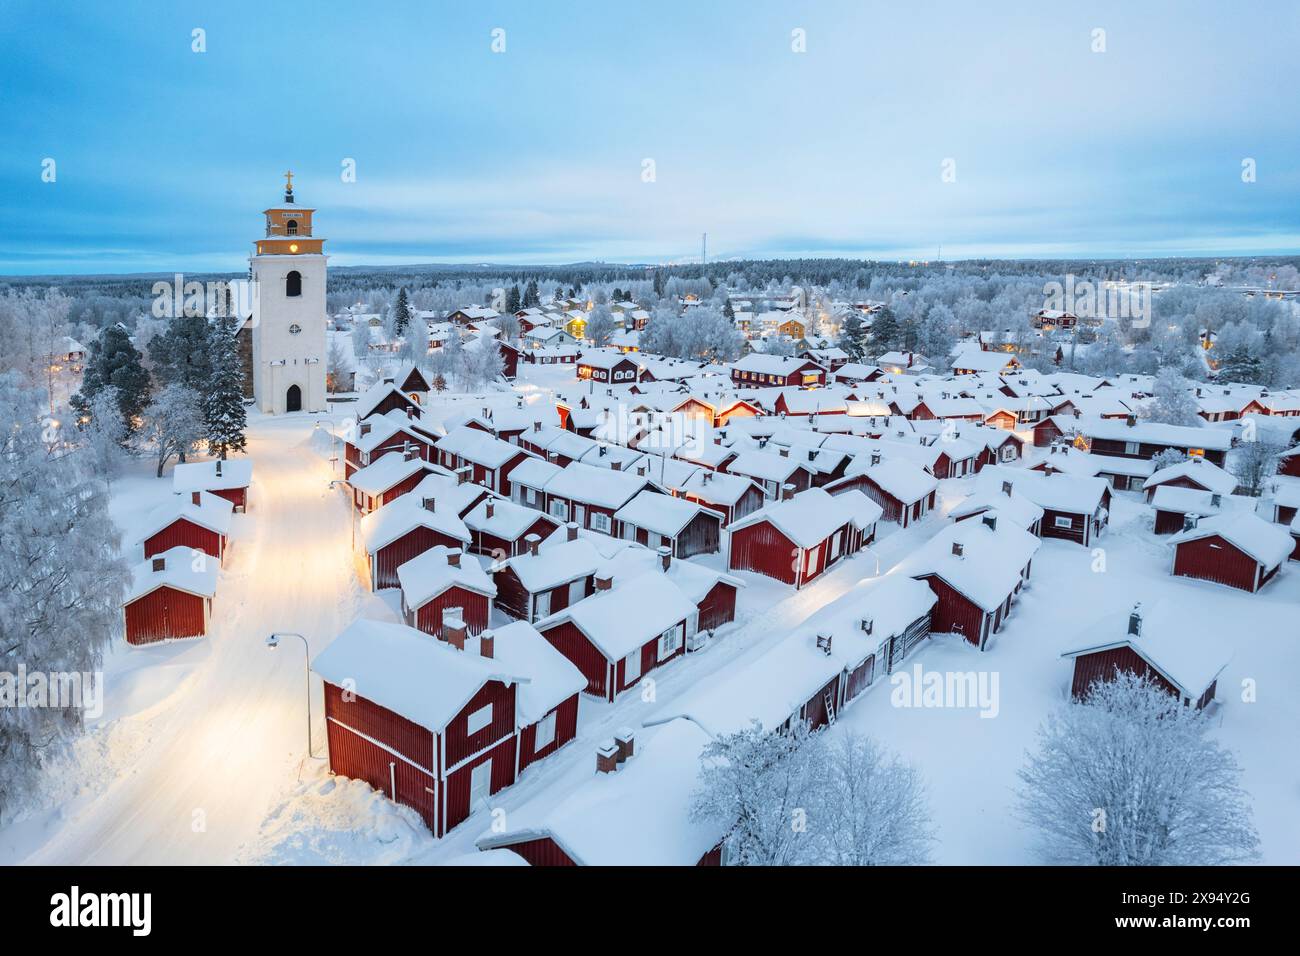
column 288, row 270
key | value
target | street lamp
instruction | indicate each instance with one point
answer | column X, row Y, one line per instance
column 273, row 641
column 334, row 444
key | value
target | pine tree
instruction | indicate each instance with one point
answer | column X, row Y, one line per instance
column 223, row 405
column 114, row 363
column 727, row 309
column 853, row 337
column 885, row 331
column 531, row 296
column 401, row 312
column 514, row 301
column 182, row 354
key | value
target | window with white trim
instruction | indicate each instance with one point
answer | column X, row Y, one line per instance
column 600, row 522
column 669, row 641
column 545, row 735
column 1130, row 448
column 480, row 719
column 1061, row 522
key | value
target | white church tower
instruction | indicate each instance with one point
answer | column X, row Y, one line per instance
column 288, row 329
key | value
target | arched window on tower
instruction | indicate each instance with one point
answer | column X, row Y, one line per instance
column 293, row 283
column 291, row 227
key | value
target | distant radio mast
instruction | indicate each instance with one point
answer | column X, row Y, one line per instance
column 704, row 248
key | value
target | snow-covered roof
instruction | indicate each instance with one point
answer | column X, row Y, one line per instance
column 603, row 487
column 903, row 480
column 632, row 817
column 1205, row 473
column 371, row 398
column 604, row 358
column 477, row 446
column 555, row 564
column 181, row 570
column 202, row 475
column 765, row 364
column 509, row 520
column 1075, row 494
column 764, row 465
column 813, row 515
column 1156, row 433
column 427, row 575
column 427, row 681
column 1014, row 507
column 989, row 567
column 1197, row 502
column 627, row 616
column 533, row 473
column 1173, row 641
column 662, row 514
column 552, row 677
column 385, row 525
column 212, row 512
column 1266, row 542
column 382, row 474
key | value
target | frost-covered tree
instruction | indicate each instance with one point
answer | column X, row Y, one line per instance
column 62, row 578
column 757, row 784
column 225, row 417
column 531, row 296
column 853, row 337
column 1131, row 777
column 1167, row 459
column 1253, row 463
column 337, row 366
column 514, row 300
column 173, row 425
column 1172, row 402
column 401, row 313
column 361, row 340
column 601, row 325
column 114, row 364
column 104, row 434
column 183, row 353
column 482, row 364
column 868, row 807
column 886, row 333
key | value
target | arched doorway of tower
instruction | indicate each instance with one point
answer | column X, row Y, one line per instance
column 293, row 399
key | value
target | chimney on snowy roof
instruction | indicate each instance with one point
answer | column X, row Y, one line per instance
column 490, row 508
column 1006, row 488
column 625, row 744
column 604, row 580
column 1216, row 500
column 429, row 504
column 487, row 644
column 463, row 474
column 364, row 428
column 665, row 556
column 453, row 627
column 571, row 531
column 159, row 564
column 194, row 498
column 532, row 540
column 958, row 549
column 453, row 559
column 607, row 757
column 1130, row 420
column 991, row 521
column 537, row 426
column 218, row 467
column 787, row 491
column 1135, row 620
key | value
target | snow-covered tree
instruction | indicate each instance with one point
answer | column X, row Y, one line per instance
column 886, row 334
column 104, row 434
column 1131, row 777
column 401, row 313
column 114, row 364
column 361, row 340
column 853, row 337
column 1172, row 401
column 183, row 353
column 757, row 785
column 531, row 296
column 337, row 366
column 173, row 425
column 1253, row 463
column 601, row 325
column 225, row 417
column 1167, row 459
column 62, row 578
column 868, row 807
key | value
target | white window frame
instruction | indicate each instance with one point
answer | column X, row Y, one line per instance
column 601, row 522
column 1131, row 447
column 480, row 719
column 1060, row 521
column 541, row 605
column 670, row 641
column 545, row 734
column 563, row 508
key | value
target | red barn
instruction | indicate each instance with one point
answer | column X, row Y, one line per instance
column 441, row 580
column 170, row 597
column 439, row 728
column 975, row 568
column 405, row 529
column 1163, row 644
column 1238, row 549
column 199, row 521
column 229, row 479
column 795, row 540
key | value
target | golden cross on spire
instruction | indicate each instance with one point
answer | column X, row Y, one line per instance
column 288, row 180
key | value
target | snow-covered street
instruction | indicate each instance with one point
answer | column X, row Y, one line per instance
column 186, row 765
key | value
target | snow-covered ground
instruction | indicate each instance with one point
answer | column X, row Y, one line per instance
column 200, row 756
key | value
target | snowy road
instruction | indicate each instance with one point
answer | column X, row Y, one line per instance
column 208, row 760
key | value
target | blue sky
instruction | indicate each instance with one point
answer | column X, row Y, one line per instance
column 165, row 157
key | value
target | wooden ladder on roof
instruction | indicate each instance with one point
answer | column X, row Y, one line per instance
column 829, row 700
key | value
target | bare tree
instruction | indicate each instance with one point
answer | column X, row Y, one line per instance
column 1253, row 463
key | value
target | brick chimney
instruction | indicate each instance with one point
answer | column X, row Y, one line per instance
column 604, row 580
column 571, row 531
column 616, row 466
column 990, row 521
column 625, row 743
column 958, row 549
column 429, row 504
column 453, row 627
column 453, row 559
column 159, row 564
column 194, row 498
column 787, row 491
column 1006, row 488
column 487, row 644
column 607, row 757
column 490, row 507
column 363, row 429
column 665, row 556
column 1135, row 620
column 532, row 540
column 408, row 452
column 463, row 474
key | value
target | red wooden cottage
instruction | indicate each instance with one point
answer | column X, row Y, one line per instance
column 905, row 492
column 170, row 597
column 375, row 437
column 1195, row 473
column 229, row 479
column 383, row 398
column 758, row 370
column 1288, row 462
column 1239, row 549
column 443, row 580
column 687, row 528
column 1165, row 645
column 199, row 521
column 975, row 568
column 1178, row 509
column 387, row 479
column 621, row 632
column 532, row 585
column 489, row 459
column 1075, row 508
column 501, row 527
column 590, row 496
column 796, row 539
column 732, row 496
column 406, row 529
column 608, row 366
column 437, row 728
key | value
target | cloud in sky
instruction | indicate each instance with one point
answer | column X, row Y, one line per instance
column 166, row 157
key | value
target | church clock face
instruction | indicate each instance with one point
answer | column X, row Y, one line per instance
column 295, row 329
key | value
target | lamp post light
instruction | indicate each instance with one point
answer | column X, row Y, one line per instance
column 334, row 445
column 273, row 641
